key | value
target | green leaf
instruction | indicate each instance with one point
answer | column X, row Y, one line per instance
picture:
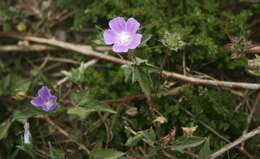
column 83, row 99
column 144, row 81
column 101, row 153
column 11, row 84
column 19, row 84
column 147, row 136
column 145, row 65
column 23, row 116
column 55, row 154
column 88, row 104
column 79, row 98
column 132, row 141
column 205, row 151
column 80, row 112
column 4, row 127
column 77, row 75
column 140, row 72
column 146, row 38
column 100, row 107
column 4, row 84
column 127, row 72
column 83, row 112
column 28, row 148
column 173, row 41
column 238, row 63
column 184, row 142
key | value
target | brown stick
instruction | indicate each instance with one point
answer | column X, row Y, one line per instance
column 236, row 142
column 250, row 115
column 63, row 60
column 171, row 92
column 246, row 153
column 250, row 49
column 125, row 99
column 87, row 50
column 253, row 86
column 254, row 50
column 29, row 48
column 62, row 131
column 215, row 132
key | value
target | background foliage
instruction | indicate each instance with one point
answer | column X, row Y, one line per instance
column 198, row 29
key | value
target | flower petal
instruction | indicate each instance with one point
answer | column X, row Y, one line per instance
column 109, row 36
column 119, row 48
column 53, row 99
column 51, row 104
column 132, row 25
column 117, row 24
column 48, row 109
column 136, row 40
column 44, row 92
column 37, row 101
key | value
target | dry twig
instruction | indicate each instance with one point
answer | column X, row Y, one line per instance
column 29, row 48
column 172, row 92
column 250, row 49
column 62, row 131
column 250, row 116
column 87, row 50
column 236, row 142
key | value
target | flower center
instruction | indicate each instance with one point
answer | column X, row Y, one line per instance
column 124, row 38
column 48, row 103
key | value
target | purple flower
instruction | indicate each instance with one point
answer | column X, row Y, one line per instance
column 122, row 34
column 45, row 100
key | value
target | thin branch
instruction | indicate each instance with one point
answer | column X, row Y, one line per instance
column 29, row 48
column 125, row 99
column 87, row 50
column 254, row 50
column 236, row 142
column 241, row 149
column 163, row 151
column 250, row 49
column 184, row 62
column 246, row 153
column 204, row 124
column 172, row 92
column 191, row 154
column 250, row 116
column 169, row 156
column 63, row 60
column 62, row 131
column 109, row 133
column 253, row 86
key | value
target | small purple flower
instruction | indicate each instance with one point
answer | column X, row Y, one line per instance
column 45, row 100
column 122, row 34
